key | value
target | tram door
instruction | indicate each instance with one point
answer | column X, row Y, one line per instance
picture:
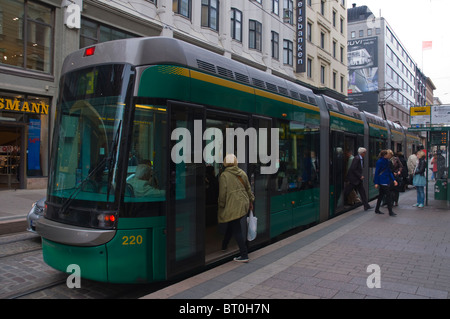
column 218, row 123
column 185, row 229
column 344, row 148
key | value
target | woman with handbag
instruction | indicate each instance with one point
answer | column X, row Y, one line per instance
column 419, row 180
column 383, row 180
column 235, row 199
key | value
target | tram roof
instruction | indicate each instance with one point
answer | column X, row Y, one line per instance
column 165, row 50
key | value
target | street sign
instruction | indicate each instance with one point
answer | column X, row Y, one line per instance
column 440, row 115
column 420, row 115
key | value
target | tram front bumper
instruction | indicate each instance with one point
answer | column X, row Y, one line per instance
column 72, row 235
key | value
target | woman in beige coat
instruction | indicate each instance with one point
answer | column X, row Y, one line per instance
column 235, row 199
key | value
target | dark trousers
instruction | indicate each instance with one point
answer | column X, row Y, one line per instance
column 234, row 229
column 360, row 189
column 386, row 193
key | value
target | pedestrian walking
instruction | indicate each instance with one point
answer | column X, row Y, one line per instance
column 404, row 174
column 412, row 163
column 355, row 177
column 419, row 180
column 397, row 168
column 383, row 180
column 235, row 199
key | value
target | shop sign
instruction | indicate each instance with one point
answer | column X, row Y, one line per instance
column 15, row 105
column 301, row 37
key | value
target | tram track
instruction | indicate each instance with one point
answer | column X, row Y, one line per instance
column 24, row 275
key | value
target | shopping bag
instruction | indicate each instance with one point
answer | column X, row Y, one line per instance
column 252, row 222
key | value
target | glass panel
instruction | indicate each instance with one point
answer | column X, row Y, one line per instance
column 299, row 157
column 11, row 45
column 186, row 179
column 88, row 28
column 87, row 134
column 39, row 47
column 147, row 164
column 39, row 13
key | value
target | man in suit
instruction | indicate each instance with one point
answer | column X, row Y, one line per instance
column 355, row 177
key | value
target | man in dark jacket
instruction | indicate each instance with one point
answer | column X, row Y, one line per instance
column 355, row 177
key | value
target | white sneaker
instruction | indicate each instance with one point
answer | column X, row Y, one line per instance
column 415, row 205
column 420, row 206
column 241, row 260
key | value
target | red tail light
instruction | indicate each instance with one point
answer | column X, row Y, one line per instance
column 89, row 51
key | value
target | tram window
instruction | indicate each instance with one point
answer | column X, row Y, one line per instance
column 299, row 157
column 147, row 164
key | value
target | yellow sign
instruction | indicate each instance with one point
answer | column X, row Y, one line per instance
column 420, row 110
column 23, row 106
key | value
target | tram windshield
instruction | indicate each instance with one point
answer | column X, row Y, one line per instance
column 90, row 120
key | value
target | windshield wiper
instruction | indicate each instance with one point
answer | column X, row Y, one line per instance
column 110, row 159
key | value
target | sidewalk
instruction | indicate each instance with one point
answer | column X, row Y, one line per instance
column 14, row 208
column 332, row 259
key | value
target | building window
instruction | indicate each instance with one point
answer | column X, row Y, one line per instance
column 255, row 35
column 236, row 24
column 334, row 49
column 92, row 32
column 309, row 68
column 369, row 32
column 276, row 7
column 322, row 40
column 342, row 54
column 334, row 18
column 210, row 14
column 287, row 52
column 322, row 7
column 288, row 11
column 182, row 7
column 334, row 80
column 342, row 83
column 322, row 74
column 309, row 32
column 26, row 32
column 361, row 33
column 353, row 34
column 275, row 45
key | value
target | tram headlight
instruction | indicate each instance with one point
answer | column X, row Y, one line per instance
column 107, row 220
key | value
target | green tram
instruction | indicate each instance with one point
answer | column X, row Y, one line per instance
column 141, row 128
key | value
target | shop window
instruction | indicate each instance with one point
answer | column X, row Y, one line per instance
column 27, row 116
column 27, row 40
column 93, row 32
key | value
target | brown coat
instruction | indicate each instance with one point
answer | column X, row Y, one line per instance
column 234, row 196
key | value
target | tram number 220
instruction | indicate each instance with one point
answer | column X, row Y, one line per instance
column 132, row 240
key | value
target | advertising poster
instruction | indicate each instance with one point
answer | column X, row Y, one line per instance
column 363, row 73
column 34, row 145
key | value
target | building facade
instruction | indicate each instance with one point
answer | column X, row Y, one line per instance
column 382, row 74
column 36, row 36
